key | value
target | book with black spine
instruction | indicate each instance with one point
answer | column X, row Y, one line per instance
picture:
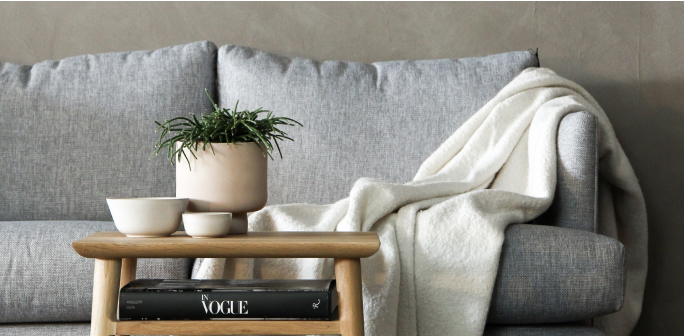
column 159, row 299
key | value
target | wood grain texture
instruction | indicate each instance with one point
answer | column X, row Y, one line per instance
column 227, row 327
column 110, row 245
column 105, row 297
column 348, row 274
column 128, row 270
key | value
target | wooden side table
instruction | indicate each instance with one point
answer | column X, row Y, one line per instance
column 116, row 258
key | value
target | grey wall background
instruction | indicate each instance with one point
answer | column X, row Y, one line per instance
column 628, row 55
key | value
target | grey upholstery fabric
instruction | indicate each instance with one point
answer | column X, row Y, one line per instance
column 575, row 202
column 42, row 279
column 45, row 329
column 377, row 120
column 550, row 274
column 81, row 129
column 82, row 329
column 542, row 330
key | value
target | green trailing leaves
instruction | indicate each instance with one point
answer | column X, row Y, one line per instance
column 221, row 126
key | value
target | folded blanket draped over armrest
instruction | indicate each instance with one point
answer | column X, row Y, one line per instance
column 442, row 233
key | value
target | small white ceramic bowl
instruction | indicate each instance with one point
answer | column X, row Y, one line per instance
column 147, row 216
column 207, row 224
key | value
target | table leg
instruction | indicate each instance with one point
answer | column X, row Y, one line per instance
column 348, row 274
column 105, row 297
column 128, row 267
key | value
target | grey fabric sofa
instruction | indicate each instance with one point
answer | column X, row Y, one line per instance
column 79, row 130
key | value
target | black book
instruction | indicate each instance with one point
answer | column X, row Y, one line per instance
column 156, row 299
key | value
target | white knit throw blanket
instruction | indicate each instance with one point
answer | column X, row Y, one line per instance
column 441, row 234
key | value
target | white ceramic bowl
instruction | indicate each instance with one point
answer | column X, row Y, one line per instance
column 207, row 224
column 147, row 216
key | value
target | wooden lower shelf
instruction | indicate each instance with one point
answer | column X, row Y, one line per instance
column 227, row 327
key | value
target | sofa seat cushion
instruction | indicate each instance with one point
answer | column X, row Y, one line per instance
column 551, row 274
column 81, row 329
column 542, row 330
column 82, row 129
column 45, row 329
column 378, row 120
column 42, row 279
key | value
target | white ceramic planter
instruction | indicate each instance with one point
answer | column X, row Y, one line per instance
column 147, row 217
column 233, row 180
column 207, row 224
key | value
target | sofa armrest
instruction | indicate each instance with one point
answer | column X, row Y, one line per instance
column 44, row 280
column 575, row 202
column 552, row 275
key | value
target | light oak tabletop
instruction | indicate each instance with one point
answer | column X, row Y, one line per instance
column 114, row 245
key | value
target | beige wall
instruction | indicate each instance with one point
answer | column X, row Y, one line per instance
column 629, row 55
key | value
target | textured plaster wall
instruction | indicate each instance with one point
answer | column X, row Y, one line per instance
column 628, row 55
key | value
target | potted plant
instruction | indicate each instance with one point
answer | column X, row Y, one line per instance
column 226, row 152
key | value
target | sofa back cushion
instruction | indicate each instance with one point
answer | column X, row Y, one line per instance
column 76, row 131
column 377, row 120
